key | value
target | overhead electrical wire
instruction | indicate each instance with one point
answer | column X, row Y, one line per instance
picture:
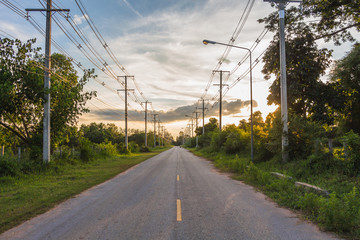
column 40, row 29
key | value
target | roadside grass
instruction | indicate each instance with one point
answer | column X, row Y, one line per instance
column 339, row 212
column 23, row 197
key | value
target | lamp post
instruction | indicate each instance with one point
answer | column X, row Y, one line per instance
column 206, row 42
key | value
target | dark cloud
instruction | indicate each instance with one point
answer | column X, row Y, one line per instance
column 178, row 114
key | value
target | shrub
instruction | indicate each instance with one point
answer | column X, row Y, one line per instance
column 257, row 176
column 107, row 149
column 236, row 140
column 352, row 141
column 238, row 165
column 86, row 152
column 144, row 149
column 9, row 167
column 341, row 214
column 134, row 147
column 311, row 204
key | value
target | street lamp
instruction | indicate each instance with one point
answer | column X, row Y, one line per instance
column 206, row 42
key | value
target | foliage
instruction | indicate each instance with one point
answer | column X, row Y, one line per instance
column 100, row 132
column 22, row 92
column 86, row 151
column 336, row 18
column 345, row 79
column 305, row 63
column 352, row 149
column 341, row 213
column 236, row 139
column 9, row 167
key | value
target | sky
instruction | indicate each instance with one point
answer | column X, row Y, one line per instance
column 159, row 42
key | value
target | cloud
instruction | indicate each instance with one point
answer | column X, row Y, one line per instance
column 177, row 114
column 79, row 19
column 132, row 8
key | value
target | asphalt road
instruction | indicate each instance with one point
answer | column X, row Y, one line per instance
column 174, row 195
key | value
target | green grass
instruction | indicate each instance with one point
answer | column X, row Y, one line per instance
column 24, row 197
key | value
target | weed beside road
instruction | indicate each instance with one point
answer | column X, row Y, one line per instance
column 338, row 212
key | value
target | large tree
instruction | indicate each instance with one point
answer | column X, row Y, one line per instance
column 335, row 18
column 305, row 63
column 345, row 78
column 22, row 91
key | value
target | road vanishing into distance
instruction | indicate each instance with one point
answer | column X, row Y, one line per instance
column 174, row 195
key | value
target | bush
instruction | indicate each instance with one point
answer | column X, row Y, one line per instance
column 341, row 214
column 238, row 165
column 236, row 141
column 352, row 141
column 107, row 149
column 9, row 167
column 134, row 147
column 86, row 152
column 311, row 204
column 257, row 176
column 144, row 149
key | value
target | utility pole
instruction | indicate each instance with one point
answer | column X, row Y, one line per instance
column 159, row 135
column 220, row 105
column 126, row 110
column 196, row 126
column 154, row 115
column 47, row 84
column 203, row 115
column 163, row 136
column 146, row 122
column 192, row 124
column 283, row 87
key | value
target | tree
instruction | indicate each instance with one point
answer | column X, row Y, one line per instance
column 22, row 92
column 336, row 18
column 345, row 79
column 305, row 63
column 99, row 133
column 209, row 127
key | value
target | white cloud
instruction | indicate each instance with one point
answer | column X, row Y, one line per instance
column 79, row 19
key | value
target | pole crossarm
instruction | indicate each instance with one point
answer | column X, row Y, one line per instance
column 46, row 10
column 284, row 1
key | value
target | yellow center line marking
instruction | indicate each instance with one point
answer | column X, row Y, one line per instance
column 178, row 178
column 178, row 215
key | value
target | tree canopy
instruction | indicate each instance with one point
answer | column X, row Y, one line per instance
column 22, row 91
column 305, row 63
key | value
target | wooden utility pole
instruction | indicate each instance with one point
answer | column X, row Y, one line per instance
column 126, row 110
column 47, row 84
column 203, row 115
column 146, row 122
column 154, row 115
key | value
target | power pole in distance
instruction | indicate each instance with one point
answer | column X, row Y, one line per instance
column 126, row 110
column 196, row 126
column 203, row 115
column 146, row 122
column 221, row 85
column 159, row 135
column 47, row 83
column 283, row 87
column 154, row 115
